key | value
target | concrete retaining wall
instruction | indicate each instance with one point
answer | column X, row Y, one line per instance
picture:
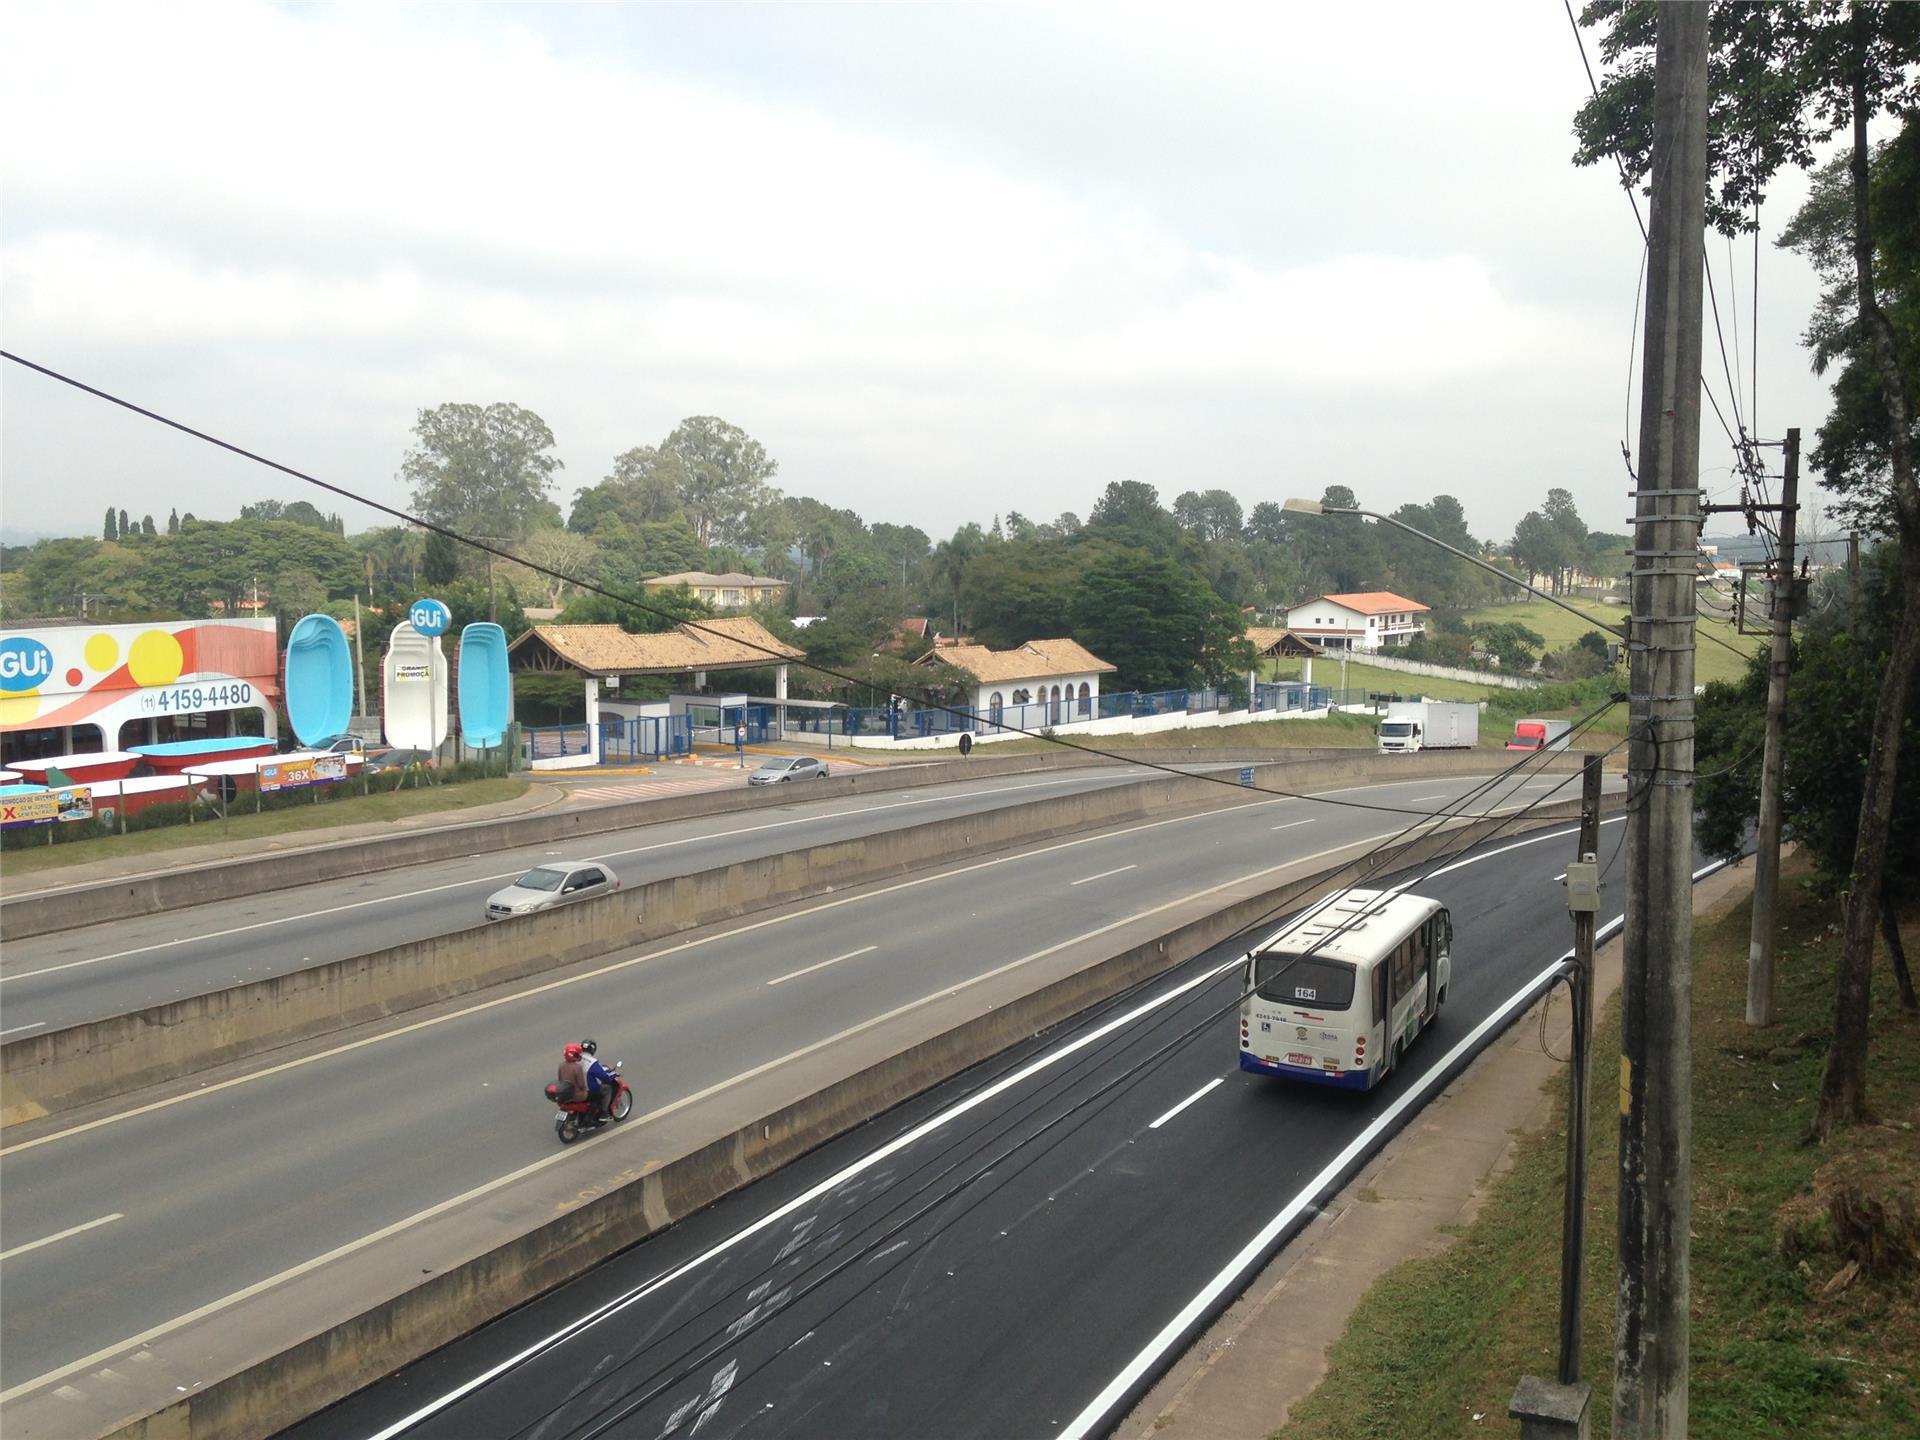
column 56, row 1070
column 277, row 1391
column 46, row 911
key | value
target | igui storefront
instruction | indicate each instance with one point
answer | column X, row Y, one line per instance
column 80, row 689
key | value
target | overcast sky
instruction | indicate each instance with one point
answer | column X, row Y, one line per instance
column 943, row 262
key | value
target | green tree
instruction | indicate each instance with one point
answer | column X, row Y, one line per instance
column 1784, row 80
column 146, row 525
column 482, row 470
column 1208, row 514
column 173, row 522
column 1160, row 625
column 126, row 526
column 111, row 530
column 643, row 488
column 724, row 476
column 439, row 559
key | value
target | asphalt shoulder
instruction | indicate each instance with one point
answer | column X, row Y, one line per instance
column 1268, row 1351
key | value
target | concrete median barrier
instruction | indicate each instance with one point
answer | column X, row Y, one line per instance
column 57, row 1070
column 277, row 1389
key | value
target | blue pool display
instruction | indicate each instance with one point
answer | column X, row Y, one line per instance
column 486, row 687
column 319, row 679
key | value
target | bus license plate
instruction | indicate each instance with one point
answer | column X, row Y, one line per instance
column 1306, row 1060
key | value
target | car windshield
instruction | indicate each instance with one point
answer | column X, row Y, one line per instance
column 541, row 879
column 1311, row 980
column 1397, row 727
column 774, row 767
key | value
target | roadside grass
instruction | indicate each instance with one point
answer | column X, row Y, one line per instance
column 1712, row 661
column 1495, row 723
column 1785, row 1342
column 348, row 810
column 1346, row 732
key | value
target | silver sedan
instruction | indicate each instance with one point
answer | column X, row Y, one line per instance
column 546, row 886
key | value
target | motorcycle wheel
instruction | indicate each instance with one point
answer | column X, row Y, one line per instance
column 622, row 1105
column 566, row 1129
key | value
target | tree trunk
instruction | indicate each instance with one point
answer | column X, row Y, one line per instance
column 1897, row 952
column 1843, row 1089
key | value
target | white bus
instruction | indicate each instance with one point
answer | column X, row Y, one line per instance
column 1338, row 992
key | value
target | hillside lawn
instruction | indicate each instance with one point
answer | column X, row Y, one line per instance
column 1789, row 1338
column 1714, row 660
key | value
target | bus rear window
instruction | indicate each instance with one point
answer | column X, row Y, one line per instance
column 1313, row 982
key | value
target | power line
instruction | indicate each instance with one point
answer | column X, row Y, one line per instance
column 644, row 607
column 687, row 1362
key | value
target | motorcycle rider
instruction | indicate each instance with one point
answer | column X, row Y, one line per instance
column 599, row 1081
column 573, row 1072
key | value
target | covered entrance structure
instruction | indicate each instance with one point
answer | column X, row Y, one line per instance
column 604, row 655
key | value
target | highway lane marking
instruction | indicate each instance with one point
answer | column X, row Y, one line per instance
column 1212, row 1084
column 1089, row 1420
column 641, row 959
column 1422, row 799
column 64, row 1234
column 795, row 975
column 453, row 1202
column 511, row 874
column 1088, row 880
column 1517, row 845
column 1291, row 823
column 21, row 1029
column 339, row 1252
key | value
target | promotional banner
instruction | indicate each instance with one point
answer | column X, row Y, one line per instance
column 45, row 806
column 486, row 686
column 58, row 675
column 413, row 690
column 319, row 680
column 298, row 774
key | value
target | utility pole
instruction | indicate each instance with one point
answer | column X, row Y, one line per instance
column 1656, row 1082
column 1766, row 856
column 1583, row 901
column 359, row 657
column 1548, row 1410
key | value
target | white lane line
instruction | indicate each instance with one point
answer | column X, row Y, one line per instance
column 1561, row 876
column 1422, row 799
column 825, row 1187
column 1291, row 823
column 1089, row 879
column 64, row 1234
column 1211, row 1084
column 1089, row 1420
column 1517, row 845
column 646, row 956
column 21, row 1029
column 795, row 975
column 507, row 875
column 214, row 1307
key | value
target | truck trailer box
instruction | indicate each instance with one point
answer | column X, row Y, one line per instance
column 1411, row 725
column 1540, row 735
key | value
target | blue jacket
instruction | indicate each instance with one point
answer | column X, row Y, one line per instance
column 598, row 1076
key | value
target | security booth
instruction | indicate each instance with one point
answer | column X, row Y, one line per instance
column 617, row 729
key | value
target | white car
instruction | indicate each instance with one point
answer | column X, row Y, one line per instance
column 546, row 886
column 782, row 768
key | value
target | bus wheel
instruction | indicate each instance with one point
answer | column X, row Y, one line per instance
column 1442, row 998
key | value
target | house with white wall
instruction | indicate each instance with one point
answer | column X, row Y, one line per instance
column 1369, row 620
column 1063, row 675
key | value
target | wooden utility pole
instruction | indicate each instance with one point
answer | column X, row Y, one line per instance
column 1656, row 1081
column 1766, row 855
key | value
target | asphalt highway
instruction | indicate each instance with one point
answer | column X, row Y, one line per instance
column 1014, row 1254
column 117, row 1227
column 72, row 976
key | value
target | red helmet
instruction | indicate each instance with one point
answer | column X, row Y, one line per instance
column 572, row 1052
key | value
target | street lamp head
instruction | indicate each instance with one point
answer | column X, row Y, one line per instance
column 1305, row 507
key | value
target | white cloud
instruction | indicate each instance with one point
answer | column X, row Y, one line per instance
column 397, row 207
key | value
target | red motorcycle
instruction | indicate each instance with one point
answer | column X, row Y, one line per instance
column 577, row 1117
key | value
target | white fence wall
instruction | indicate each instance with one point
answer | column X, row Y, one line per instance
column 1448, row 672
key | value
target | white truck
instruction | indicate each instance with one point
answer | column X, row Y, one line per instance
column 1411, row 725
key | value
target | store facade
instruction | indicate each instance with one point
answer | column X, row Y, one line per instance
column 80, row 688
